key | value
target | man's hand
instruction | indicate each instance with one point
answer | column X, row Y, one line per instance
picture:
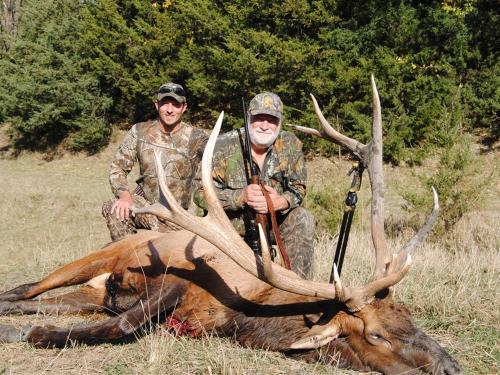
column 252, row 196
column 121, row 208
column 279, row 202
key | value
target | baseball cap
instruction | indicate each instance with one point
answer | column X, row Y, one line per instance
column 266, row 103
column 172, row 90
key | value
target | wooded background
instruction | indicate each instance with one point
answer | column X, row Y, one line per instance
column 73, row 70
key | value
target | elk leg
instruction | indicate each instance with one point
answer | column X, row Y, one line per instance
column 114, row 328
column 84, row 300
column 77, row 272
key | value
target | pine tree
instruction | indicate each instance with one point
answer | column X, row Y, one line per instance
column 46, row 97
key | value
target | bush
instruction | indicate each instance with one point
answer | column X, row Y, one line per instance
column 46, row 95
column 92, row 63
column 459, row 180
column 327, row 207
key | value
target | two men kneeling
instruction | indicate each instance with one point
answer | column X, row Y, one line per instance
column 277, row 155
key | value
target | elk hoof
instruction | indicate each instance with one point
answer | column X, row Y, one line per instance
column 5, row 307
column 10, row 334
column 17, row 293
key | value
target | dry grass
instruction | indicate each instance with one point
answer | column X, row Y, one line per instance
column 51, row 215
column 453, row 295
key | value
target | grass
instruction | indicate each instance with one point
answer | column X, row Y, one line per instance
column 51, row 215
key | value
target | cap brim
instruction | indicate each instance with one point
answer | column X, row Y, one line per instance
column 271, row 112
column 180, row 99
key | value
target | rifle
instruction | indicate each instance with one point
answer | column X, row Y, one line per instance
column 253, row 218
column 261, row 219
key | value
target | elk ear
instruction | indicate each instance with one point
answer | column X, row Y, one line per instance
column 317, row 336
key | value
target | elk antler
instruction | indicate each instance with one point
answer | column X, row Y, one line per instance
column 218, row 230
column 387, row 269
column 371, row 156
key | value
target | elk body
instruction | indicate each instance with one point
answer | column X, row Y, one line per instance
column 206, row 277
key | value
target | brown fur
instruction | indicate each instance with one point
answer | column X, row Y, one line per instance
column 209, row 292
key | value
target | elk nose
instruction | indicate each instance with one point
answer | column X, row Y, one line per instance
column 454, row 370
column 447, row 366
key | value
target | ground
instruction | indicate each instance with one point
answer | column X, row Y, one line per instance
column 51, row 216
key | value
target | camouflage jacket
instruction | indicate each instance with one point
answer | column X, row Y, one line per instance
column 181, row 153
column 284, row 170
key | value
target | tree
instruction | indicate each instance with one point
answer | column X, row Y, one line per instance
column 117, row 52
column 47, row 97
column 9, row 15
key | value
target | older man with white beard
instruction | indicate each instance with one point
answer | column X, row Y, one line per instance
column 280, row 163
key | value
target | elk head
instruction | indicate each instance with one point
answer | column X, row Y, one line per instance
column 369, row 331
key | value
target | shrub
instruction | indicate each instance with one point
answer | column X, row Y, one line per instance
column 327, row 207
column 46, row 95
column 459, row 179
column 93, row 63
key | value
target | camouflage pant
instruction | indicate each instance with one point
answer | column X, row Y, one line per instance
column 122, row 228
column 297, row 230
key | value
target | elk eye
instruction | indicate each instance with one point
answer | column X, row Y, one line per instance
column 377, row 339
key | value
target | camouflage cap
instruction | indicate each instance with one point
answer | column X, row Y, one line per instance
column 266, row 103
column 172, row 90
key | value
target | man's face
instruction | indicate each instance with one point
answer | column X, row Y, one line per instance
column 264, row 130
column 170, row 111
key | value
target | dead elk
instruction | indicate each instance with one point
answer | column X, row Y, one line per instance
column 207, row 278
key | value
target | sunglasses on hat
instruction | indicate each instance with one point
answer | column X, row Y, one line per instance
column 177, row 90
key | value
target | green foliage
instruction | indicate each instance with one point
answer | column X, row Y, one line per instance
column 459, row 179
column 45, row 94
column 80, row 66
column 327, row 208
column 483, row 101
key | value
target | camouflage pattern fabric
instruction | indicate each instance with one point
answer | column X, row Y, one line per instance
column 180, row 153
column 171, row 90
column 284, row 170
column 297, row 229
column 266, row 103
column 119, row 229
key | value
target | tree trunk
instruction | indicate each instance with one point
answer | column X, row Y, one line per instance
column 9, row 15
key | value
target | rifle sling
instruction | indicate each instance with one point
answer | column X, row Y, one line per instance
column 275, row 227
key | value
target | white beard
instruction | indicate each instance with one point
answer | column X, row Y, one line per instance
column 263, row 140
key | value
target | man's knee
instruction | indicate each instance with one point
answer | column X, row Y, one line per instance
column 118, row 229
column 298, row 235
column 300, row 220
column 106, row 208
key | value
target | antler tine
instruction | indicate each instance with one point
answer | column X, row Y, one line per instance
column 419, row 238
column 376, row 173
column 399, row 264
column 354, row 146
column 426, row 228
column 307, row 130
column 215, row 209
column 266, row 254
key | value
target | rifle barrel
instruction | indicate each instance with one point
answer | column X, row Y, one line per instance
column 248, row 151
